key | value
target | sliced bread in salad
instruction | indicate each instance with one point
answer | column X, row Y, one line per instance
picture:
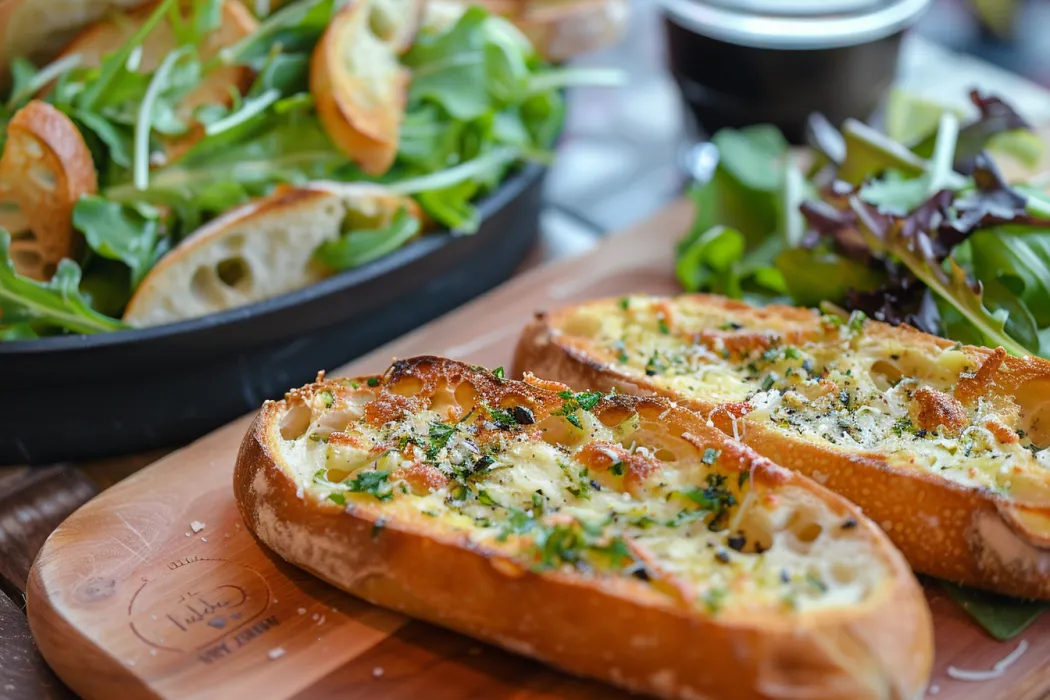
column 260, row 250
column 44, row 170
column 358, row 84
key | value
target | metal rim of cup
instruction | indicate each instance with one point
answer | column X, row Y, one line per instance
column 800, row 25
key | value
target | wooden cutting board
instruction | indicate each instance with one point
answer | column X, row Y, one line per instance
column 156, row 589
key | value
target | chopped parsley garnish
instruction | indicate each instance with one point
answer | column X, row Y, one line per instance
column 502, row 418
column 856, row 321
column 337, row 498
column 662, row 325
column 579, row 543
column 714, row 600
column 572, row 403
column 373, row 381
column 374, row 483
column 440, row 433
column 537, row 502
column 485, row 499
column 716, row 499
column 655, row 365
column 406, row 440
column 903, row 425
column 742, row 480
column 625, row 302
column 710, row 455
column 377, row 527
column 816, row 583
column 731, row 326
column 831, row 320
column 616, row 468
column 792, row 353
column 518, row 523
column 769, row 381
column 498, row 373
column 327, row 399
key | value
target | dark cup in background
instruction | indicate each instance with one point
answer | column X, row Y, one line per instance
column 740, row 62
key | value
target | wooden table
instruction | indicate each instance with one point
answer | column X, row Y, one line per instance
column 33, row 501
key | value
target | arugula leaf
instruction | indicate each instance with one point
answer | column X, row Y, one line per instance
column 571, row 403
column 118, row 142
column 58, row 303
column 1002, row 617
column 157, row 113
column 296, row 27
column 357, row 247
column 448, row 68
column 118, row 232
column 17, row 331
column 117, row 61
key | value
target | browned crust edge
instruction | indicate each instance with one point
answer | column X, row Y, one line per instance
column 931, row 520
column 581, row 625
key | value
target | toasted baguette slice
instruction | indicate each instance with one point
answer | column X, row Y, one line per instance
column 559, row 29
column 358, row 84
column 614, row 537
column 38, row 30
column 44, row 170
column 257, row 251
column 100, row 38
column 941, row 444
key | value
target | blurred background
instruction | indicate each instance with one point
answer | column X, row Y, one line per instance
column 622, row 149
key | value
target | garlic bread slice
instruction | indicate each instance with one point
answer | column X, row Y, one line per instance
column 358, row 84
column 44, row 170
column 943, row 445
column 258, row 251
column 614, row 537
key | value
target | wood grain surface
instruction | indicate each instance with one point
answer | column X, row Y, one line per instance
column 155, row 588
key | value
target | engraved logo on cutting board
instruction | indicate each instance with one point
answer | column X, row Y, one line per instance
column 201, row 605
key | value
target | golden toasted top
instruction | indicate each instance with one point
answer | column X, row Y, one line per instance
column 608, row 487
column 969, row 414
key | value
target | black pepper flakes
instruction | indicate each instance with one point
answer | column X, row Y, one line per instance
column 849, row 524
column 722, row 555
column 737, row 542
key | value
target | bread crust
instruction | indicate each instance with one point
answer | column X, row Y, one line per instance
column 46, row 167
column 964, row 534
column 156, row 298
column 360, row 115
column 616, row 630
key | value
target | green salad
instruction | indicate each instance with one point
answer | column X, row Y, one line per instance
column 913, row 226
column 164, row 161
column 922, row 230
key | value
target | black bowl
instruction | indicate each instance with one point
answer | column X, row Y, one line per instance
column 81, row 397
column 740, row 62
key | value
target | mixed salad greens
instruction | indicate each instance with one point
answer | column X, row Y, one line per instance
column 480, row 102
column 921, row 230
column 913, row 226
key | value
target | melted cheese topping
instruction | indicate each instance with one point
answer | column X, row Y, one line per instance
column 827, row 382
column 601, row 501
